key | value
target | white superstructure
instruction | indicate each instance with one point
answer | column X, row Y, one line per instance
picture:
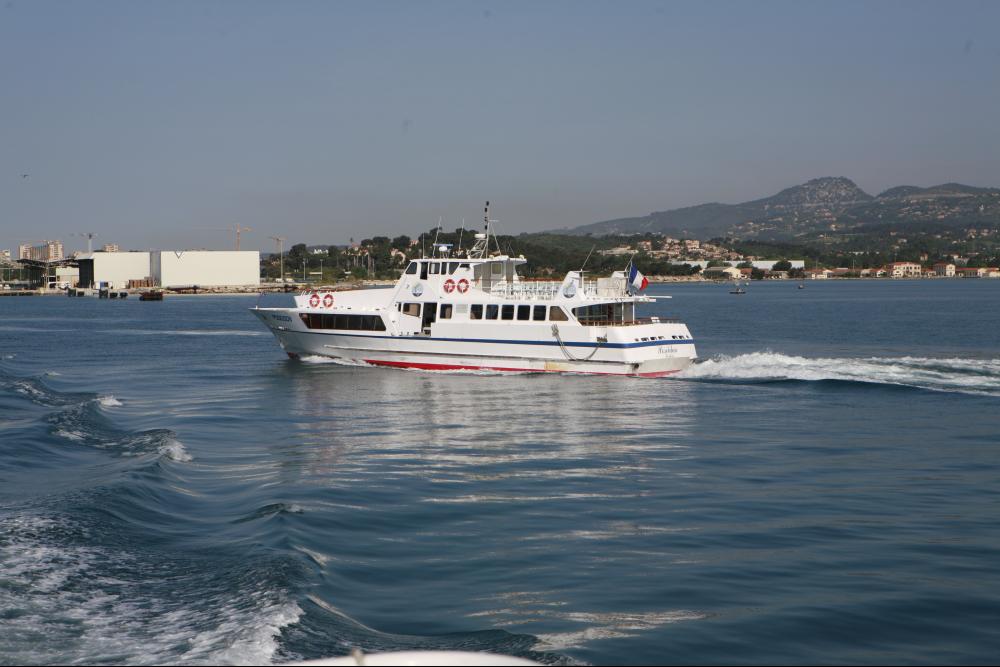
column 476, row 312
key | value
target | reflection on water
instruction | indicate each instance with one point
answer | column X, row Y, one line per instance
column 455, row 428
column 525, row 467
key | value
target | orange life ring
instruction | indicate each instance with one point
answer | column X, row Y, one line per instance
column 327, row 300
column 314, row 300
column 449, row 286
column 463, row 286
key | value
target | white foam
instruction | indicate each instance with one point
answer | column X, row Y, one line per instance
column 109, row 401
column 319, row 359
column 175, row 450
column 971, row 376
column 63, row 594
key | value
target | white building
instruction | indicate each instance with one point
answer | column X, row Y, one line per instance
column 205, row 268
column 903, row 270
column 170, row 268
column 46, row 252
column 112, row 269
column 945, row 269
column 721, row 272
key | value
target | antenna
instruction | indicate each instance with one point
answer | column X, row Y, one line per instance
column 460, row 235
column 437, row 232
column 588, row 257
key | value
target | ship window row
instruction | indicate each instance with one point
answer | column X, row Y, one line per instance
column 346, row 322
column 521, row 313
column 490, row 311
column 435, row 268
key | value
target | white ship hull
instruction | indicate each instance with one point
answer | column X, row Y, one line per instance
column 478, row 313
column 667, row 349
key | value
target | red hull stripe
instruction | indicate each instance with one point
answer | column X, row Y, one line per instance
column 463, row 367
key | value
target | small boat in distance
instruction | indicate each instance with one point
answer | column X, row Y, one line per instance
column 151, row 295
column 473, row 311
column 737, row 289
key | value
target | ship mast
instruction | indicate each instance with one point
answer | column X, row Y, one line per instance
column 481, row 247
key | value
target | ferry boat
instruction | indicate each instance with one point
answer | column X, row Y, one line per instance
column 476, row 312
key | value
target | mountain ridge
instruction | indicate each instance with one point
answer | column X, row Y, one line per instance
column 828, row 202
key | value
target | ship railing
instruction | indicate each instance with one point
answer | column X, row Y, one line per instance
column 629, row 323
column 529, row 290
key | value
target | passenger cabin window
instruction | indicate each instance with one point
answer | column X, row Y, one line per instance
column 411, row 309
column 508, row 312
column 445, row 311
column 539, row 314
column 343, row 322
column 524, row 313
column 412, row 268
column 492, row 311
column 476, row 311
column 602, row 313
column 557, row 314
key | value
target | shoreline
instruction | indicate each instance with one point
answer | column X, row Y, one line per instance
column 341, row 287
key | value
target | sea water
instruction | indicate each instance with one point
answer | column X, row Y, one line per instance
column 824, row 486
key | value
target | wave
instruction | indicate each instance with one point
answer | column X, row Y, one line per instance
column 85, row 425
column 79, row 418
column 961, row 375
column 109, row 401
column 96, row 602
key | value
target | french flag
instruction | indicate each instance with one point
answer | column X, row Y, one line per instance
column 636, row 280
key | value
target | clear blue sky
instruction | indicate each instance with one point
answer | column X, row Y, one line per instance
column 156, row 124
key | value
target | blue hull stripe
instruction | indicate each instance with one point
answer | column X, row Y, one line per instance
column 507, row 342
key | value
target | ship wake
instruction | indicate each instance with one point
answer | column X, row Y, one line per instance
column 967, row 376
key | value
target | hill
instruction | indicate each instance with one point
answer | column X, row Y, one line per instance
column 834, row 204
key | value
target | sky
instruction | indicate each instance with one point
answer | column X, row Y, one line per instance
column 161, row 124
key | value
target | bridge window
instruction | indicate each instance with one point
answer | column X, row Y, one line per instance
column 452, row 267
column 524, row 313
column 476, row 311
column 539, row 314
column 343, row 322
column 412, row 268
column 434, row 268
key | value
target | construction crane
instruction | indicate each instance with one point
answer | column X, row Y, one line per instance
column 235, row 228
column 90, row 239
column 281, row 254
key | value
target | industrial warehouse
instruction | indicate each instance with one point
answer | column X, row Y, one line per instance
column 169, row 268
column 166, row 269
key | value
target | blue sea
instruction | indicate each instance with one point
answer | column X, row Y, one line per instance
column 823, row 487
